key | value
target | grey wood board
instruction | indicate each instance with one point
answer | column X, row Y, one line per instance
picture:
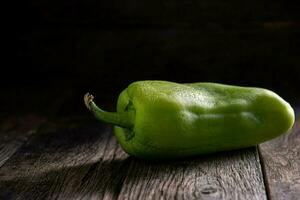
column 227, row 175
column 65, row 163
column 281, row 162
column 15, row 131
column 86, row 162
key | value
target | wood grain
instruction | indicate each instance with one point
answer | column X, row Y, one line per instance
column 68, row 160
column 15, row 131
column 229, row 175
column 63, row 162
column 281, row 162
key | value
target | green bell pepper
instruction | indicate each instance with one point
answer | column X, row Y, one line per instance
column 160, row 119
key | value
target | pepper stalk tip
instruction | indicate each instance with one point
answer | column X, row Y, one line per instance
column 88, row 99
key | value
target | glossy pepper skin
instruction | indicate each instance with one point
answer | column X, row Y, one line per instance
column 160, row 119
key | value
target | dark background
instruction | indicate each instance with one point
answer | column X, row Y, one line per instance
column 61, row 49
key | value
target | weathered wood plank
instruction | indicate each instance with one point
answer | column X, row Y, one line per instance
column 87, row 162
column 15, row 131
column 76, row 161
column 65, row 162
column 228, row 175
column 281, row 163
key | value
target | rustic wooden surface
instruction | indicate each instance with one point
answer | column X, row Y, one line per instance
column 14, row 131
column 81, row 160
column 281, row 164
column 102, row 46
column 231, row 175
column 65, row 163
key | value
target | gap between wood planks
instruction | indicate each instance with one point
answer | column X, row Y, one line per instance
column 263, row 170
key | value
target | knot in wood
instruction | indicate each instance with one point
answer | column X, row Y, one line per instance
column 209, row 190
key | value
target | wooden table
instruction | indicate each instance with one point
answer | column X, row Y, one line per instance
column 79, row 158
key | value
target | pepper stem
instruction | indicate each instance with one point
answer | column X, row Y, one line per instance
column 124, row 119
